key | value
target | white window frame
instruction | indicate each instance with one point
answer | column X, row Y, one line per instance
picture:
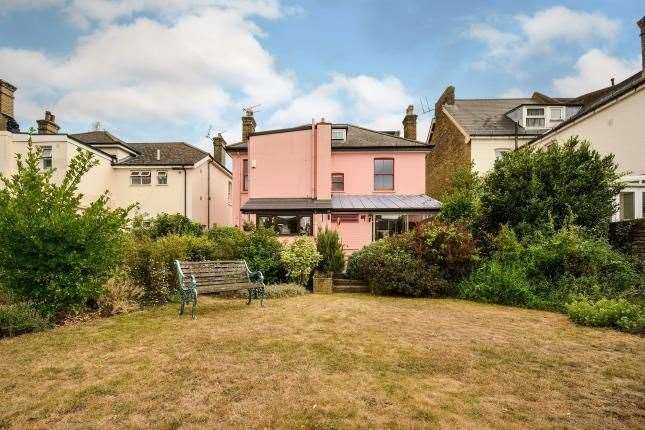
column 552, row 117
column 533, row 116
column 140, row 175
column 46, row 157
column 160, row 174
column 342, row 133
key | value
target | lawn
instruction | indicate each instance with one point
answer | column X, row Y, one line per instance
column 326, row 361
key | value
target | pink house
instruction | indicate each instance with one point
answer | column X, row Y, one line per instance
column 366, row 184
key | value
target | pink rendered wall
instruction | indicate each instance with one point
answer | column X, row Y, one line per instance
column 358, row 168
column 239, row 197
column 323, row 161
column 283, row 164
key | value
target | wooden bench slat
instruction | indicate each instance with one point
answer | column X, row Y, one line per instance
column 219, row 288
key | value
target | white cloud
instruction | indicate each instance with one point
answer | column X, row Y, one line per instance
column 540, row 34
column 514, row 93
column 363, row 100
column 594, row 70
column 194, row 69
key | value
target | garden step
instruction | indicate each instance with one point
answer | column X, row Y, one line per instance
column 349, row 282
column 351, row 288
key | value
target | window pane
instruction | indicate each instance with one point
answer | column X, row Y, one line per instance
column 535, row 122
column 305, row 225
column 383, row 182
column 146, row 180
column 387, row 225
column 337, row 182
column 535, row 111
column 162, row 178
column 627, row 206
column 384, row 166
column 245, row 175
column 556, row 114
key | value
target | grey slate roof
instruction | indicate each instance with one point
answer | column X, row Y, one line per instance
column 488, row 116
column 293, row 204
column 172, row 154
column 386, row 202
column 99, row 138
column 358, row 138
column 346, row 203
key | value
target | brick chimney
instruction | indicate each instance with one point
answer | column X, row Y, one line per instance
column 48, row 125
column 248, row 125
column 219, row 149
column 446, row 98
column 7, row 121
column 641, row 25
column 410, row 124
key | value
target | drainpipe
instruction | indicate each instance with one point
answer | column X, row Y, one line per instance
column 208, row 192
column 185, row 191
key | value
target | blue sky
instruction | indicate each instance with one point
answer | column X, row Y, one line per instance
column 170, row 69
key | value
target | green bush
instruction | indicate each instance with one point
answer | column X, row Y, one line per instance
column 330, row 248
column 150, row 263
column 55, row 252
column 20, row 318
column 531, row 188
column 262, row 252
column 448, row 247
column 392, row 269
column 618, row 313
column 499, row 282
column 299, row 258
column 229, row 242
column 462, row 203
column 166, row 224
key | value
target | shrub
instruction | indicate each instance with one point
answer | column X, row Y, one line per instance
column 120, row 295
column 330, row 248
column 166, row 224
column 262, row 252
column 617, row 313
column 299, row 258
column 20, row 318
column 447, row 246
column 498, row 282
column 529, row 188
column 150, row 263
column 280, row 291
column 462, row 203
column 229, row 242
column 392, row 269
column 570, row 263
column 54, row 252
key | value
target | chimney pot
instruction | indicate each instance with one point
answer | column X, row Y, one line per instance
column 410, row 123
column 48, row 124
column 219, row 149
column 7, row 121
column 248, row 125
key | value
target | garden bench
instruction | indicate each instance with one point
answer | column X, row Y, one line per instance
column 203, row 277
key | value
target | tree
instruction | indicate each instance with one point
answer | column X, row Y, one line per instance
column 566, row 182
column 462, row 203
column 54, row 252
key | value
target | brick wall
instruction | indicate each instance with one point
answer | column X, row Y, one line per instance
column 449, row 154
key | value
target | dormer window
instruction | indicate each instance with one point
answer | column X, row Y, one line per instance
column 557, row 114
column 338, row 134
column 535, row 118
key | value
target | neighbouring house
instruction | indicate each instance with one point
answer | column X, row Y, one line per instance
column 365, row 184
column 478, row 131
column 612, row 120
column 162, row 177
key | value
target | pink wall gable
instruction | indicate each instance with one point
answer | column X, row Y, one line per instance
column 283, row 164
column 323, row 161
column 358, row 169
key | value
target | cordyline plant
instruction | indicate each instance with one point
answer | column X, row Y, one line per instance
column 54, row 252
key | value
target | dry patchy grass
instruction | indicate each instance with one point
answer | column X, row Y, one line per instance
column 327, row 362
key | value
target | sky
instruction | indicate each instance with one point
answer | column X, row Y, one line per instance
column 179, row 70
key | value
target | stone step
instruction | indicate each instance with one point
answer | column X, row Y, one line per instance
column 349, row 282
column 351, row 289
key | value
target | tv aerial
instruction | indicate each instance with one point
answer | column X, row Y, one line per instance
column 425, row 106
column 250, row 110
